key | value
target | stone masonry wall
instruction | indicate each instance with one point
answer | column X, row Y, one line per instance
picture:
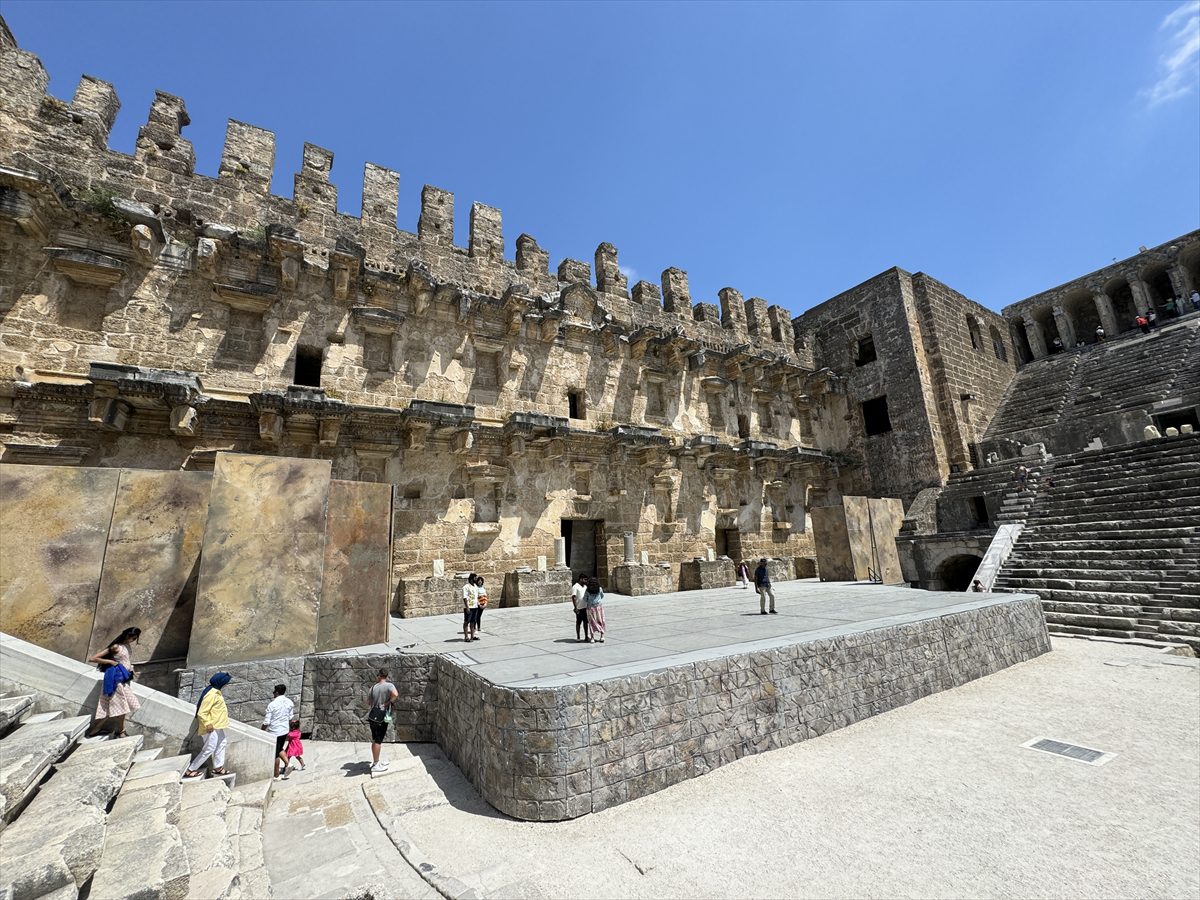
column 253, row 686
column 340, row 690
column 546, row 754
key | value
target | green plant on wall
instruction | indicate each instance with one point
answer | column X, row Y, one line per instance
column 99, row 200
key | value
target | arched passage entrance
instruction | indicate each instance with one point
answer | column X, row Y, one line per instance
column 1082, row 309
column 1158, row 284
column 1189, row 258
column 1020, row 341
column 1124, row 308
column 955, row 573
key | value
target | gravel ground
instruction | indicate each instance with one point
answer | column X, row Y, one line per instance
column 937, row 799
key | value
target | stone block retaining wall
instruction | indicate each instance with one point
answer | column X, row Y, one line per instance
column 432, row 596
column 253, row 686
column 702, row 574
column 341, row 685
column 545, row 754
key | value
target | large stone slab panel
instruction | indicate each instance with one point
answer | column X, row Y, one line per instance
column 358, row 562
column 54, row 524
column 887, row 515
column 858, row 533
column 263, row 558
column 832, row 544
column 152, row 561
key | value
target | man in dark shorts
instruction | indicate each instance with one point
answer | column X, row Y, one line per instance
column 277, row 723
column 379, row 703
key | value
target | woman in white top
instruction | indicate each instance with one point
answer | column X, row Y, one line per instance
column 470, row 604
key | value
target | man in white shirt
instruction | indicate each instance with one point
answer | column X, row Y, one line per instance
column 277, row 722
column 578, row 594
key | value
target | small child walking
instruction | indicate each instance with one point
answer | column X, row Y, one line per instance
column 295, row 747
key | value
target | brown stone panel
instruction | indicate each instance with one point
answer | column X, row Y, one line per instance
column 858, row 532
column 832, row 543
column 358, row 559
column 152, row 561
column 887, row 515
column 53, row 527
column 264, row 553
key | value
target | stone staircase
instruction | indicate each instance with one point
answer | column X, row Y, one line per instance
column 1035, row 397
column 1113, row 549
column 108, row 820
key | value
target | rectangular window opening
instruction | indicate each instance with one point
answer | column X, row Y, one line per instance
column 876, row 419
column 575, row 405
column 864, row 351
column 308, row 367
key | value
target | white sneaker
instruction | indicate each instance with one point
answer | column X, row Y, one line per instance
column 380, row 766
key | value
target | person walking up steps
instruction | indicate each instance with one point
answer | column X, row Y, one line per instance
column 762, row 581
column 379, row 703
column 579, row 602
column 213, row 716
column 275, row 723
column 594, row 598
column 295, row 747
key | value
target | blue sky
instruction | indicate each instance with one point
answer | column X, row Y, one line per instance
column 788, row 150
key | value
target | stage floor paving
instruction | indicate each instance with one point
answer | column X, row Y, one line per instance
column 535, row 646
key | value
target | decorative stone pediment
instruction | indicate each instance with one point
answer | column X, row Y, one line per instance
column 249, row 296
column 376, row 320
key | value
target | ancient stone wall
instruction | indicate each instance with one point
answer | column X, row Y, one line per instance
column 154, row 316
column 553, row 753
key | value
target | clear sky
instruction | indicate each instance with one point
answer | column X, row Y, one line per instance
column 788, row 150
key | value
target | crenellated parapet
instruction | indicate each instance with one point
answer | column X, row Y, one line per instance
column 70, row 140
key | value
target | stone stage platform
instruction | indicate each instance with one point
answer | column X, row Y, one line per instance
column 548, row 728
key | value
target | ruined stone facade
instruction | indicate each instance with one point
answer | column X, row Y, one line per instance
column 153, row 316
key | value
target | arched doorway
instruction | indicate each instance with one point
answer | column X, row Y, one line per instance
column 1045, row 318
column 1020, row 341
column 956, row 573
column 1189, row 258
column 1158, row 285
column 1082, row 309
column 1124, row 308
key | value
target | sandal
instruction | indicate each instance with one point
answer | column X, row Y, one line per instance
column 219, row 772
column 193, row 774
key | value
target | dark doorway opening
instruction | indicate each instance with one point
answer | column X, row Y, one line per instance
column 308, row 367
column 586, row 552
column 956, row 573
column 743, row 426
column 979, row 508
column 876, row 419
column 729, row 543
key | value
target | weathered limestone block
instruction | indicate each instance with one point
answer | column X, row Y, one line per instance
column 431, row 596
column 638, row 580
column 358, row 557
column 537, row 588
column 701, row 574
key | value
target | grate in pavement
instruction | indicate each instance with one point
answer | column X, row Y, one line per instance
column 1070, row 751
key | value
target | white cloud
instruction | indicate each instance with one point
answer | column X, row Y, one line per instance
column 1179, row 63
column 631, row 273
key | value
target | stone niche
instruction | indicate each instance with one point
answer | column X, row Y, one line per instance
column 858, row 539
column 638, row 580
column 533, row 588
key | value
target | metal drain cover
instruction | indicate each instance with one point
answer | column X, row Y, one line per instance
column 1070, row 751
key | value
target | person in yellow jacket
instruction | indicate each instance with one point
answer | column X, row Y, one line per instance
column 213, row 716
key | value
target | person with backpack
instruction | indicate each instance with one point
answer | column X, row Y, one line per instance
column 762, row 582
column 379, row 716
column 594, row 598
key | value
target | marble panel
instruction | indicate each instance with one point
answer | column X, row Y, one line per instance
column 887, row 515
column 263, row 558
column 858, row 533
column 358, row 561
column 53, row 528
column 832, row 544
column 152, row 562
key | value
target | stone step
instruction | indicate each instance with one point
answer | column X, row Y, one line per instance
column 1105, row 541
column 27, row 752
column 1153, row 529
column 1115, row 623
column 1170, row 557
column 56, row 842
column 14, row 710
column 1102, row 484
column 176, row 765
column 148, row 755
column 1066, row 581
column 39, row 718
column 144, row 854
column 1066, row 595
